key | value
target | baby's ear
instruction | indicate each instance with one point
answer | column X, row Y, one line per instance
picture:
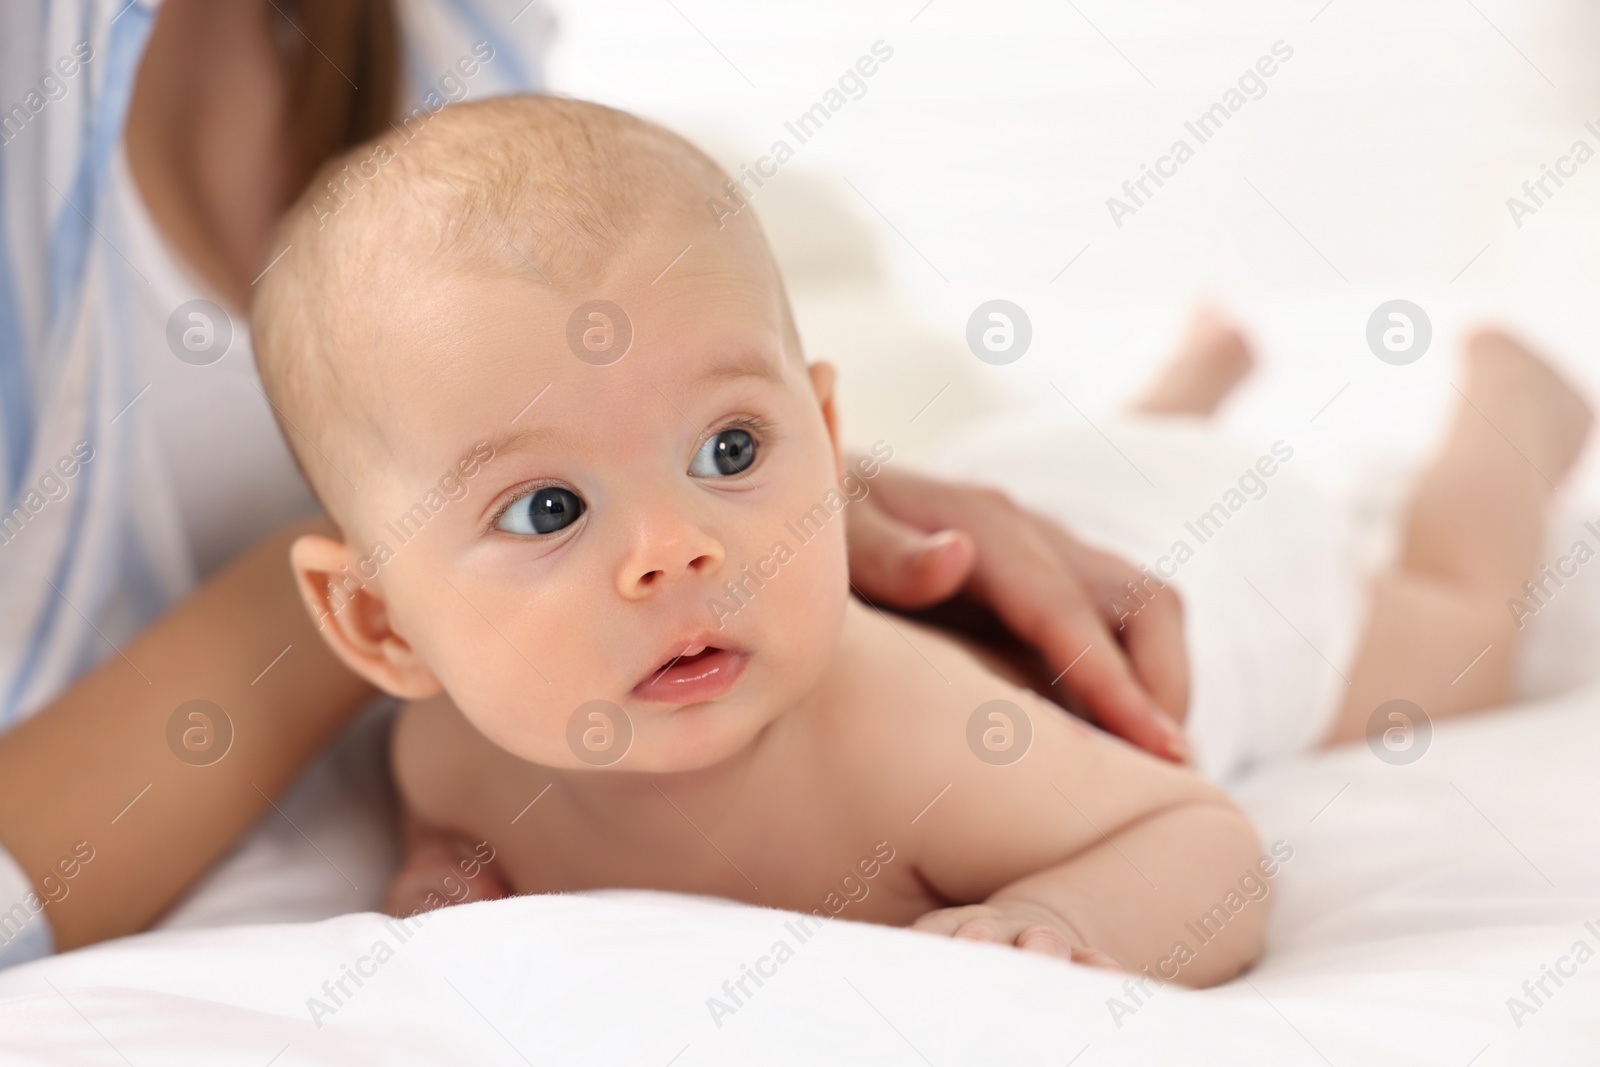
column 822, row 378
column 354, row 618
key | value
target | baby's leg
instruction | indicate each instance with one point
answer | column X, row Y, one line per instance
column 1439, row 633
column 1214, row 357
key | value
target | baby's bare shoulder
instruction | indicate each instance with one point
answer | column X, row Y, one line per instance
column 993, row 781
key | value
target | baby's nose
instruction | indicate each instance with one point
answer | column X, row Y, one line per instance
column 665, row 550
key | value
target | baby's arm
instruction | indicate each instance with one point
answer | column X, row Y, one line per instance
column 451, row 782
column 1102, row 851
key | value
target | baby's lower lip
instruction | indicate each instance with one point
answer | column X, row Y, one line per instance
column 691, row 679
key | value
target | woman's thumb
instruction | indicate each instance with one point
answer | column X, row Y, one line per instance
column 902, row 566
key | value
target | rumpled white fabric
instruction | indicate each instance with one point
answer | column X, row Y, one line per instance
column 1267, row 563
column 1418, row 900
column 1421, row 908
column 25, row 933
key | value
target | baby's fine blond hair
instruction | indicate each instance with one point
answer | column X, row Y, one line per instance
column 540, row 186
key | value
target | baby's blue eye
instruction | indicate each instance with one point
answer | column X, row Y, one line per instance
column 543, row 511
column 729, row 452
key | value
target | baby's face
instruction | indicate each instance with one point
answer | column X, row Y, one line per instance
column 590, row 559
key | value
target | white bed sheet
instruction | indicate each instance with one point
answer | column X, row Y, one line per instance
column 1419, row 899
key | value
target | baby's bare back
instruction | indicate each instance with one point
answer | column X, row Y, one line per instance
column 920, row 779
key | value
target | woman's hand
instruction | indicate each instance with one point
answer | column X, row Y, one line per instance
column 916, row 541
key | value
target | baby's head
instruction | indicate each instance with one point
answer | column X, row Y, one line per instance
column 543, row 497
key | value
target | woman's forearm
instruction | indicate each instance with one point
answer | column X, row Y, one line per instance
column 104, row 763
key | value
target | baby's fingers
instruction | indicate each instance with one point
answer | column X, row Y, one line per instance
column 1047, row 941
column 946, row 921
column 1093, row 957
column 982, row 922
column 994, row 929
column 1020, row 933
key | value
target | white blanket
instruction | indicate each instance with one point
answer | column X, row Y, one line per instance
column 1445, row 911
column 1418, row 902
column 1420, row 899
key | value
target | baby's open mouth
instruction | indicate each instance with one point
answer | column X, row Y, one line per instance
column 699, row 672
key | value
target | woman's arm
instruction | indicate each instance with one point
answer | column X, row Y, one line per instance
column 72, row 772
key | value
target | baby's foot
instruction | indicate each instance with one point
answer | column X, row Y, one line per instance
column 441, row 869
column 1530, row 404
column 1214, row 357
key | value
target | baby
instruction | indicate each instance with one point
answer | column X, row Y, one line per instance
column 590, row 496
column 438, row 335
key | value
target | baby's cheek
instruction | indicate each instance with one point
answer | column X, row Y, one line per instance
column 807, row 611
column 516, row 688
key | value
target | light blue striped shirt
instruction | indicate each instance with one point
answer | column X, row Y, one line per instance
column 86, row 560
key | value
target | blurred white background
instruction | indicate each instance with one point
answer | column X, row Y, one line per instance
column 978, row 164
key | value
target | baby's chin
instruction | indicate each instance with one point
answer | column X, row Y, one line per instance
column 602, row 736
column 695, row 738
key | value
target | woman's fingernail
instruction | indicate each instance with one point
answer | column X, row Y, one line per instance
column 936, row 542
column 1177, row 743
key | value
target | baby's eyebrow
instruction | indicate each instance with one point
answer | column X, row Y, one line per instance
column 521, row 439
column 744, row 365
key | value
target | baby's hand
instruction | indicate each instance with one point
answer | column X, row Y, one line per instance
column 1030, row 927
column 442, row 868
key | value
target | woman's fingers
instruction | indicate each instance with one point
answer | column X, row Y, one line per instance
column 1053, row 614
column 1052, row 592
column 1043, row 598
column 900, row 565
column 1154, row 642
column 1146, row 615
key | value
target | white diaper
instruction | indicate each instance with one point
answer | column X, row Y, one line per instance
column 1265, row 562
